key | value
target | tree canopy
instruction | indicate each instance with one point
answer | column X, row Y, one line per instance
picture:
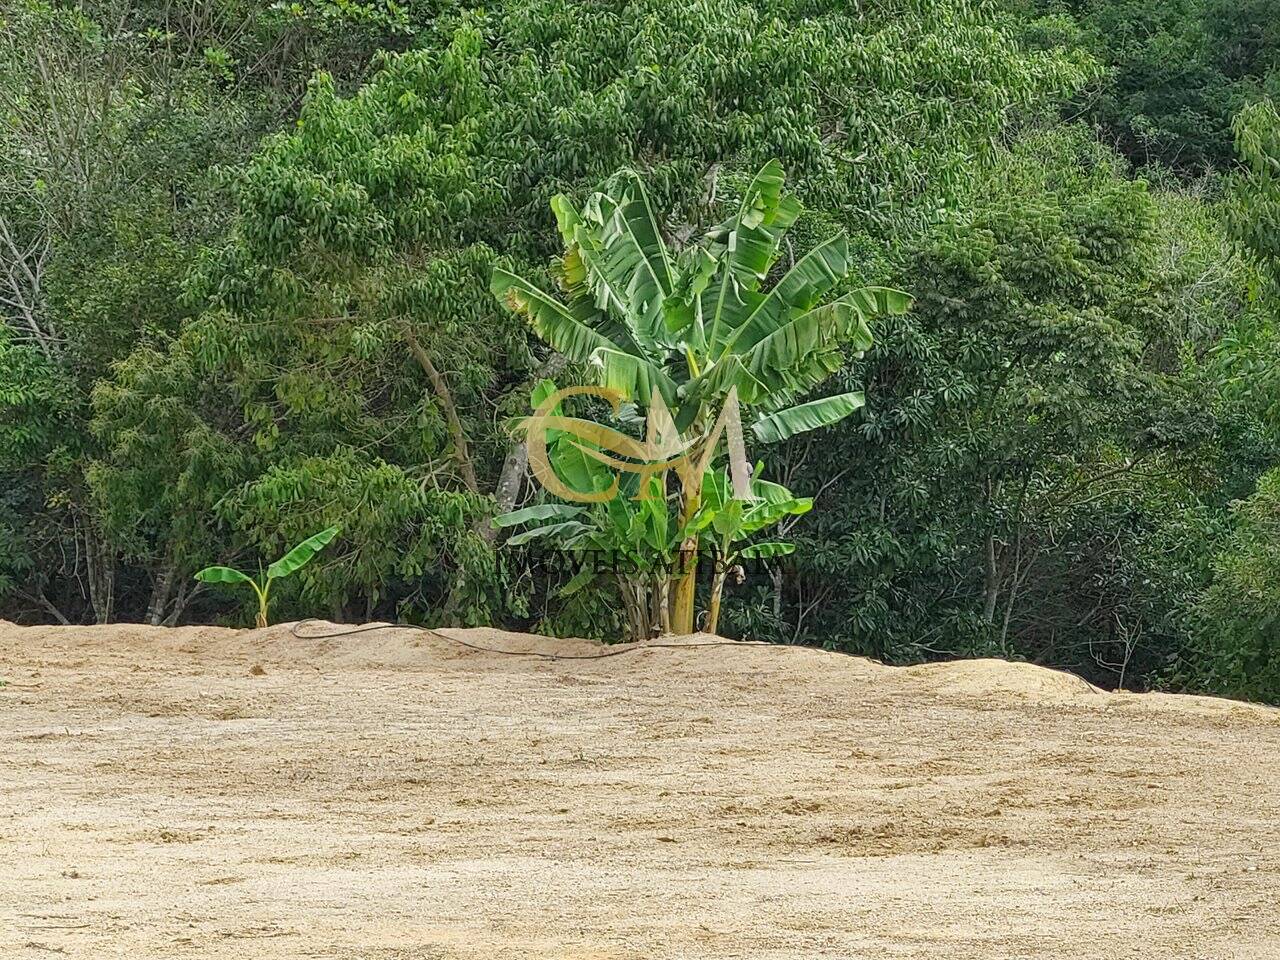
column 248, row 251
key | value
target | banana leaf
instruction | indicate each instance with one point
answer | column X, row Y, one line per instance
column 766, row 514
column 222, row 575
column 627, row 264
column 634, row 377
column 301, row 555
column 763, row 551
column 807, row 416
column 747, row 246
column 803, row 285
column 550, row 319
column 770, row 492
column 542, row 511
column 566, row 531
column 577, row 582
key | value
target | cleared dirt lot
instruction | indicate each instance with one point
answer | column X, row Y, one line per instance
column 211, row 793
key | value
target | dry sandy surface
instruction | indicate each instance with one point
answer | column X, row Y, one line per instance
column 210, row 793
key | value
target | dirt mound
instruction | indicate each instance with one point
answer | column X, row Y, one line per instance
column 378, row 792
column 988, row 678
column 324, row 645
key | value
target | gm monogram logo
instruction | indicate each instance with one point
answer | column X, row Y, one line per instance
column 661, row 450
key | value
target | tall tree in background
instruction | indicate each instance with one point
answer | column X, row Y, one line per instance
column 115, row 118
column 1031, row 425
column 1255, row 214
column 100, row 197
column 345, row 355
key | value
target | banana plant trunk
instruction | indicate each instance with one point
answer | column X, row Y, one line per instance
column 717, row 588
column 636, row 609
column 664, row 604
column 687, row 568
column 261, row 622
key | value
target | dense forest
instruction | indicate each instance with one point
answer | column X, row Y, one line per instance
column 247, row 253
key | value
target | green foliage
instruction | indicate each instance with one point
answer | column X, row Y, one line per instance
column 294, row 381
column 623, row 548
column 1179, row 70
column 1255, row 212
column 688, row 333
column 282, row 343
column 301, row 555
column 630, row 545
column 242, row 299
column 1053, row 405
column 1238, row 620
column 114, row 123
column 729, row 521
column 37, row 406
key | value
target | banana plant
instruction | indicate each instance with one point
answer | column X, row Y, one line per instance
column 636, row 533
column 729, row 521
column 692, row 325
column 289, row 564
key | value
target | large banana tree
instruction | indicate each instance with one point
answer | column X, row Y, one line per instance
column 701, row 325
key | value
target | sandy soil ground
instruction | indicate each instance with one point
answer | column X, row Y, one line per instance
column 219, row 794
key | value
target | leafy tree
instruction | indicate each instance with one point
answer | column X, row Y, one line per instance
column 629, row 539
column 101, row 196
column 313, row 373
column 1247, row 355
column 1255, row 213
column 729, row 521
column 1006, row 475
column 1237, row 650
column 212, row 344
column 116, row 116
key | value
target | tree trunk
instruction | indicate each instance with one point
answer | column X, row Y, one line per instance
column 1015, row 585
column 992, row 587
column 101, row 564
column 158, row 605
column 461, row 449
column 653, row 602
column 507, row 492
column 717, row 588
column 185, row 593
column 637, row 611
column 41, row 600
column 516, row 463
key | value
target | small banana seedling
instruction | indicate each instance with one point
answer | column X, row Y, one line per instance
column 728, row 521
column 290, row 563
